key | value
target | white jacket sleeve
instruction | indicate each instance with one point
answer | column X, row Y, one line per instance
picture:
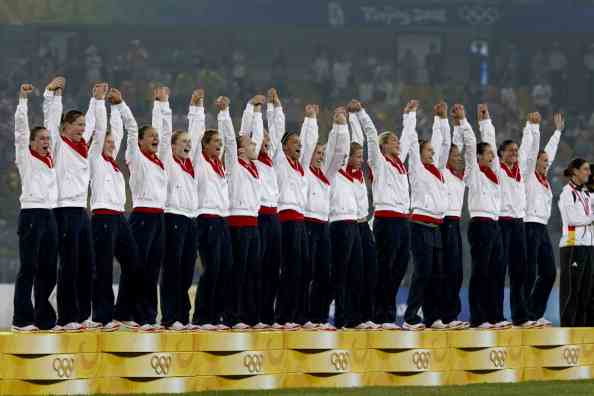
column 356, row 130
column 309, row 139
column 163, row 123
column 52, row 116
column 471, row 166
column 22, row 132
column 257, row 130
column 116, row 125
column 409, row 121
column 247, row 119
column 488, row 136
column 572, row 210
column 132, row 148
column 551, row 147
column 373, row 149
column 458, row 138
column 529, row 149
column 99, row 118
column 276, row 127
column 446, row 143
column 226, row 128
column 196, row 129
column 90, row 120
column 337, row 150
column 408, row 138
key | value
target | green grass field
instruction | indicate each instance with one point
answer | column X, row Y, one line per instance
column 557, row 388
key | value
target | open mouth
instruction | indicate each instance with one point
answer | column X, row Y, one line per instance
column 187, row 151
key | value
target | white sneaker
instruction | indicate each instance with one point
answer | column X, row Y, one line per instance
column 128, row 324
column 485, row 326
column 389, row 326
column 208, row 327
column 222, row 327
column 277, row 326
column 413, row 327
column 327, row 327
column 458, row 325
column 260, row 326
column 25, row 329
column 529, row 324
column 177, row 326
column 544, row 323
column 91, row 325
column 361, row 326
column 57, row 329
column 503, row 325
column 72, row 327
column 111, row 326
column 241, row 326
column 193, row 327
column 372, row 325
column 310, row 326
column 291, row 326
column 438, row 325
column 149, row 328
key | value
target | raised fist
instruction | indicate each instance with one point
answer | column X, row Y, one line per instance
column 100, row 90
column 412, row 105
column 161, row 94
column 483, row 112
column 114, row 96
column 354, row 106
column 534, row 118
column 340, row 116
column 271, row 95
column 441, row 109
column 458, row 113
column 559, row 120
column 258, row 100
column 56, row 83
column 312, row 111
column 222, row 103
column 197, row 98
column 25, row 90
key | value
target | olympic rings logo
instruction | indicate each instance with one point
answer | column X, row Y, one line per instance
column 476, row 15
column 340, row 360
column 571, row 355
column 497, row 357
column 64, row 367
column 254, row 362
column 161, row 364
column 422, row 360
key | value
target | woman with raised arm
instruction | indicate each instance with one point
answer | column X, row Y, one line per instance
column 391, row 199
column 148, row 183
column 354, row 169
column 484, row 236
column 427, row 212
column 181, row 209
column 214, row 239
column 243, row 292
column 70, row 150
column 541, row 269
column 510, row 165
column 289, row 163
column 112, row 236
column 575, row 253
column 37, row 230
column 325, row 163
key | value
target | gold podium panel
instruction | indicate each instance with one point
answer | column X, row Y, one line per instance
column 44, row 343
column 67, row 387
column 51, row 367
column 227, row 341
column 473, row 339
column 353, row 339
column 323, row 362
column 149, row 365
column 148, row 385
column 582, row 335
column 553, row 357
column 486, row 358
column 304, row 380
column 478, row 377
column 264, row 381
column 317, row 340
column 556, row 374
column 427, row 378
column 241, row 363
column 140, row 342
column 552, row 336
column 397, row 339
column 409, row 361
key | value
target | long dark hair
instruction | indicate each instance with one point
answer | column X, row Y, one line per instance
column 574, row 165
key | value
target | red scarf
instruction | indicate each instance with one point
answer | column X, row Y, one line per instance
column 542, row 180
column 514, row 172
column 396, row 163
column 319, row 174
column 356, row 174
column 250, row 166
column 434, row 171
column 81, row 147
column 186, row 165
column 111, row 161
column 296, row 165
column 153, row 158
column 265, row 158
column 346, row 174
column 48, row 160
column 489, row 173
column 458, row 174
column 216, row 164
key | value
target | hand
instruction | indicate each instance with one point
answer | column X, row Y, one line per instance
column 441, row 109
column 273, row 97
column 114, row 96
column 559, row 120
column 162, row 94
column 197, row 98
column 411, row 106
column 25, row 90
column 534, row 118
column 340, row 116
column 100, row 90
column 312, row 111
column 258, row 100
column 56, row 83
column 354, row 106
column 483, row 112
column 458, row 113
column 222, row 103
